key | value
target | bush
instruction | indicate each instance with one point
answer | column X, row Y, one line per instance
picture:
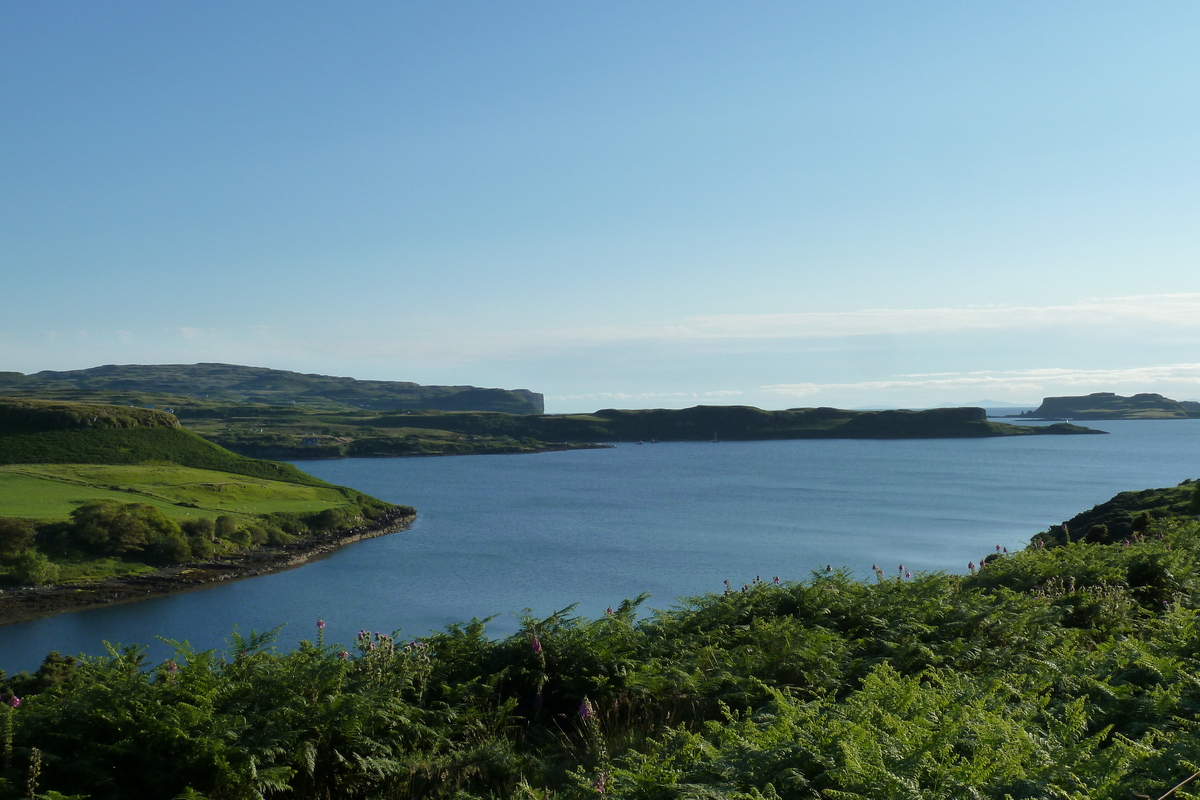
column 201, row 546
column 16, row 535
column 166, row 548
column 277, row 537
column 225, row 527
column 257, row 533
column 31, row 568
column 110, row 528
column 329, row 519
column 199, row 528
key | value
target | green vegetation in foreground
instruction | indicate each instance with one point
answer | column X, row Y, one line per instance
column 1066, row 672
column 89, row 492
column 1106, row 405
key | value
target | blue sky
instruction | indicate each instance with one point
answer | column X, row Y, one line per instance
column 616, row 204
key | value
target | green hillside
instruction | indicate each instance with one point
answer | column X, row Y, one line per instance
column 50, row 492
column 89, row 492
column 48, row 432
column 1127, row 515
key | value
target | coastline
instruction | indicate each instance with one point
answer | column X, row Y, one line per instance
column 26, row 604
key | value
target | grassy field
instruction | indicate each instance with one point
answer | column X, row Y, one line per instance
column 52, row 491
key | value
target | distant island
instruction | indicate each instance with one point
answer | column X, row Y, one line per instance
column 270, row 414
column 1106, row 405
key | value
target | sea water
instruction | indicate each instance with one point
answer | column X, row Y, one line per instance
column 499, row 534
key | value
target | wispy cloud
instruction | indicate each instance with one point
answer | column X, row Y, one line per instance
column 1030, row 382
column 1164, row 309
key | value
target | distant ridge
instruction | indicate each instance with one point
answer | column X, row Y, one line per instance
column 123, row 384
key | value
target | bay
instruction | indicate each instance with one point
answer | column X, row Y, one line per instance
column 498, row 534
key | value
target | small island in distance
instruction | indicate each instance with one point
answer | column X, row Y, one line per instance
column 1107, row 405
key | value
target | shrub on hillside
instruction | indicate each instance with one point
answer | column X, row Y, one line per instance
column 106, row 527
column 16, row 535
column 31, row 568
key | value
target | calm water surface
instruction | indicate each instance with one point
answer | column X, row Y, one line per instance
column 497, row 534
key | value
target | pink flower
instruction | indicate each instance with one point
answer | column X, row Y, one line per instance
column 776, row 581
column 907, row 574
column 320, row 624
column 608, row 611
column 14, row 702
column 343, row 655
column 535, row 644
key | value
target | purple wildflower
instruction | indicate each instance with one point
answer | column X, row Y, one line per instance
column 14, row 702
column 907, row 574
column 776, row 581
column 320, row 624
column 608, row 611
column 343, row 655
column 172, row 667
column 585, row 709
column 535, row 644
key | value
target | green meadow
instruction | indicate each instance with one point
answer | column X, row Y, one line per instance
column 53, row 491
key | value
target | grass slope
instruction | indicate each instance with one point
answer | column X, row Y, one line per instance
column 52, row 491
column 137, row 446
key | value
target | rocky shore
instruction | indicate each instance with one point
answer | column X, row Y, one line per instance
column 23, row 604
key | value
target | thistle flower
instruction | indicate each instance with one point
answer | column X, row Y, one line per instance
column 907, row 574
column 320, row 624
column 343, row 655
column 776, row 581
column 608, row 611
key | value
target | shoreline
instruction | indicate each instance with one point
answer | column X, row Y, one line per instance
column 27, row 604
